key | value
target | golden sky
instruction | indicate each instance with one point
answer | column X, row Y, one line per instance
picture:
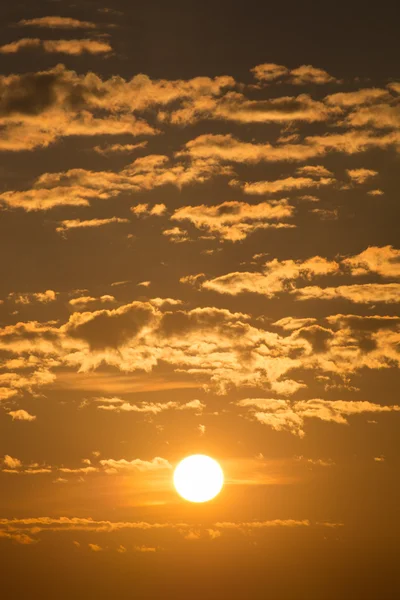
column 199, row 233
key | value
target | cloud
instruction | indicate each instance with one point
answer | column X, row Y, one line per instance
column 176, row 235
column 276, row 277
column 21, row 415
column 145, row 549
column 21, row 530
column 143, row 210
column 118, row 148
column 281, row 185
column 112, row 466
column 234, row 106
column 284, row 415
column 210, row 347
column 305, row 74
column 361, row 175
column 23, row 44
column 226, row 148
column 71, row 47
column 363, row 293
column 28, row 298
column 11, row 463
column 263, row 524
column 78, row 224
column 56, row 22
column 291, row 323
column 235, row 220
column 384, row 260
column 77, row 187
column 314, row 171
column 84, row 300
column 152, row 408
column 269, row 71
column 357, row 98
column 36, row 109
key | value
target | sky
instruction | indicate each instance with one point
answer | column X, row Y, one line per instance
column 200, row 255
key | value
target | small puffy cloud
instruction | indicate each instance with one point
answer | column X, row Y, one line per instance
column 11, row 463
column 235, row 220
column 376, row 192
column 307, row 74
column 379, row 459
column 21, row 415
column 144, row 283
column 55, row 22
column 84, row 300
column 361, row 175
column 143, row 210
column 95, row 548
column 176, row 235
column 269, row 71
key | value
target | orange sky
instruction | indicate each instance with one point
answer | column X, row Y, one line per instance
column 199, row 233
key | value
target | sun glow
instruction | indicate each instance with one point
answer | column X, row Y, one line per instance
column 198, row 478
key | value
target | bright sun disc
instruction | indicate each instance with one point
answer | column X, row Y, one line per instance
column 198, row 478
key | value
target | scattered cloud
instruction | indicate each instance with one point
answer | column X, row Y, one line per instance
column 28, row 298
column 277, row 276
column 303, row 75
column 143, row 210
column 284, row 415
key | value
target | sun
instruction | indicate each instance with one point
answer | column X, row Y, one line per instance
column 198, row 478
